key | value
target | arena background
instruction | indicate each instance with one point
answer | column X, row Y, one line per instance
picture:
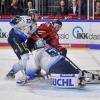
column 80, row 34
column 80, row 29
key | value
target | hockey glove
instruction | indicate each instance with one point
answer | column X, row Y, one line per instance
column 63, row 52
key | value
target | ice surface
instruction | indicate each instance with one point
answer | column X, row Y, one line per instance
column 40, row 89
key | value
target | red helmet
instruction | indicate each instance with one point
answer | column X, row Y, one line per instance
column 57, row 22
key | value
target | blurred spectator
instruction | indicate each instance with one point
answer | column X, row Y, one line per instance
column 7, row 3
column 84, row 7
column 2, row 7
column 26, row 1
column 15, row 8
column 73, row 9
column 97, row 10
column 21, row 4
column 4, row 4
column 29, row 6
column 62, row 10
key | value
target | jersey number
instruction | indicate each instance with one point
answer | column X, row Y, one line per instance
column 52, row 52
column 28, row 20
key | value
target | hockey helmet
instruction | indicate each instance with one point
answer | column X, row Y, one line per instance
column 15, row 20
column 32, row 12
column 57, row 22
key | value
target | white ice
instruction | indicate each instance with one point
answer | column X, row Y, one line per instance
column 40, row 89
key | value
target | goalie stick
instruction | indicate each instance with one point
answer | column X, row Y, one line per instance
column 93, row 76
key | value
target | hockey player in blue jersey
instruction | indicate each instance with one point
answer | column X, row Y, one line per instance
column 51, row 62
column 23, row 27
column 63, row 72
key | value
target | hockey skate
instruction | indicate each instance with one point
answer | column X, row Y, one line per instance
column 25, row 79
column 82, row 79
column 10, row 75
column 22, row 80
column 92, row 77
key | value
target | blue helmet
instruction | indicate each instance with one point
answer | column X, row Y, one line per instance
column 15, row 20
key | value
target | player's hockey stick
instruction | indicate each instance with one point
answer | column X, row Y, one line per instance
column 94, row 76
column 73, row 63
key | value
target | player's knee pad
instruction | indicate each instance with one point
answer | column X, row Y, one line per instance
column 24, row 59
column 31, row 68
column 30, row 72
column 25, row 56
column 16, row 67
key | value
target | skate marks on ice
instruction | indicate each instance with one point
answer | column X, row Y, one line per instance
column 86, row 59
column 43, row 88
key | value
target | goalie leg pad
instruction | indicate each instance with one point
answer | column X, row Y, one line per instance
column 63, row 67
